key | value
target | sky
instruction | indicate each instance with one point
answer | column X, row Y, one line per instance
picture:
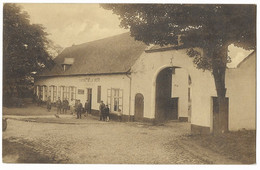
column 70, row 24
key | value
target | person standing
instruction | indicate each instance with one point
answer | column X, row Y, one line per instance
column 79, row 109
column 65, row 106
column 107, row 113
column 75, row 106
column 49, row 104
column 71, row 106
column 101, row 111
column 120, row 115
column 58, row 105
column 39, row 101
column 87, row 107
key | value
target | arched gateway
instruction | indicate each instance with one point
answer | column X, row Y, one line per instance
column 173, row 95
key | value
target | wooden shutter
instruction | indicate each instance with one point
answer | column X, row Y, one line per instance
column 121, row 100
column 99, row 94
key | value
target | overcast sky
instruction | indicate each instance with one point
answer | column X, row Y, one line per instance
column 74, row 23
column 70, row 24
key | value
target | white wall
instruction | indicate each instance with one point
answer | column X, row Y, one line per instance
column 84, row 82
column 144, row 74
column 240, row 85
column 180, row 90
column 241, row 90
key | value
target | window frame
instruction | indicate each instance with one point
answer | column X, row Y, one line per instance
column 55, row 93
column 111, row 98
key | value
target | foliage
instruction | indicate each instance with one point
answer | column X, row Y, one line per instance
column 201, row 26
column 211, row 28
column 24, row 50
column 208, row 27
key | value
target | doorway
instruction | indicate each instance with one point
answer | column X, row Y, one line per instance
column 89, row 97
column 163, row 101
column 173, row 109
column 139, row 107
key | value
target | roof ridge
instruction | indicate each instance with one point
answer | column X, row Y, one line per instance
column 101, row 39
column 241, row 62
column 116, row 53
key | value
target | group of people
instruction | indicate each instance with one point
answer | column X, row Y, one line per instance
column 62, row 106
column 103, row 112
column 79, row 109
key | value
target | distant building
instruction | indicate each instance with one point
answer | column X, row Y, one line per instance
column 148, row 84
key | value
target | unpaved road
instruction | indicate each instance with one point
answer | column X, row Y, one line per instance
column 94, row 142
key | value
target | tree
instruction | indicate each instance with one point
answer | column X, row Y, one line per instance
column 25, row 50
column 211, row 28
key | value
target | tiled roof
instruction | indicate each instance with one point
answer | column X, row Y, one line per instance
column 114, row 54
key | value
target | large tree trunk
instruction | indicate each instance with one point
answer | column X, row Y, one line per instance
column 219, row 72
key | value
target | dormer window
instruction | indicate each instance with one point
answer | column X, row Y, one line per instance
column 66, row 66
column 67, row 63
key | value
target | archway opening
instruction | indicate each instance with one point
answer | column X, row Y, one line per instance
column 173, row 95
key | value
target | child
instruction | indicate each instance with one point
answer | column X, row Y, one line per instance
column 120, row 115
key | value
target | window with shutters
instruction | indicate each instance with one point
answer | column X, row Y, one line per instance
column 62, row 95
column 45, row 93
column 54, row 93
column 41, row 92
column 49, row 91
column 99, row 94
column 115, row 99
column 59, row 94
column 67, row 93
column 72, row 93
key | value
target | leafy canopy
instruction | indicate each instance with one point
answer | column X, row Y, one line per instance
column 25, row 48
column 209, row 27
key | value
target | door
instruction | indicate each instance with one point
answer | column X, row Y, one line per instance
column 89, row 97
column 173, row 109
column 139, row 107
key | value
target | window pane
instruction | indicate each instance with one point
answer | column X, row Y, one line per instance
column 115, row 104
column 41, row 92
column 54, row 93
column 45, row 92
column 59, row 91
column 49, row 94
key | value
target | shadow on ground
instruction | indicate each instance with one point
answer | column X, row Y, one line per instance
column 14, row 152
column 239, row 145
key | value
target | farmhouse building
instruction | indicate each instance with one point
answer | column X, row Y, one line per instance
column 148, row 83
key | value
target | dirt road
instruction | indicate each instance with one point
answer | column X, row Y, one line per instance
column 94, row 142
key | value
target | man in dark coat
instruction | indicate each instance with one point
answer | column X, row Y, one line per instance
column 87, row 107
column 79, row 110
column 58, row 105
column 101, row 111
column 49, row 104
column 65, row 106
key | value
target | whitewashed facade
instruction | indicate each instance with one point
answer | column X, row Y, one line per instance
column 112, row 89
column 135, row 91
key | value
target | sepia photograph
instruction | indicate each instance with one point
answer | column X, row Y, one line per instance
column 129, row 83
